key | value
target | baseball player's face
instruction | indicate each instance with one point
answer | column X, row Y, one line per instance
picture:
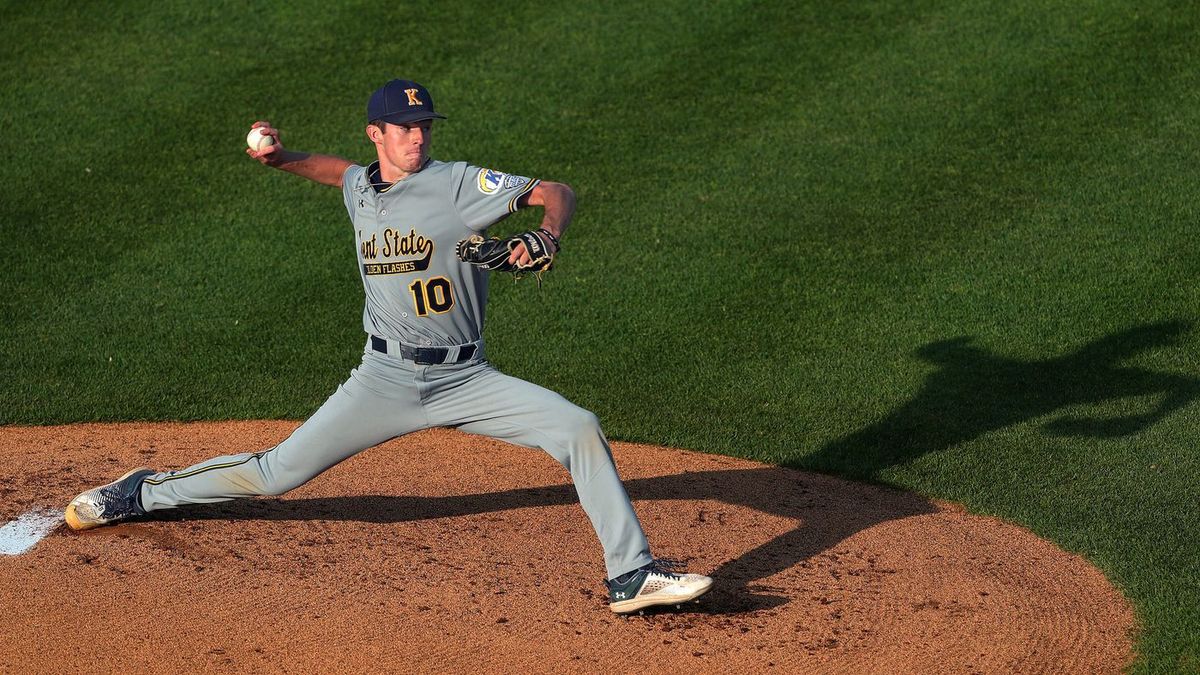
column 403, row 146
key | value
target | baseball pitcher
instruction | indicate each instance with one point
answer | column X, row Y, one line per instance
column 424, row 258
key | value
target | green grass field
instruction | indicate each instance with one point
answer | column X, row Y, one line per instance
column 938, row 244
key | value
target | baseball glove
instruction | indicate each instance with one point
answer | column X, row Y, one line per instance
column 492, row 254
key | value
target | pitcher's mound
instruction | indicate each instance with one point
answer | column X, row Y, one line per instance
column 447, row 552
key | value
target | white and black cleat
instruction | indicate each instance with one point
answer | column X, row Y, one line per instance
column 109, row 503
column 656, row 584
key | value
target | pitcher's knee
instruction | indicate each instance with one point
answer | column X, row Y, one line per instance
column 275, row 478
column 275, row 488
column 276, row 483
column 580, row 423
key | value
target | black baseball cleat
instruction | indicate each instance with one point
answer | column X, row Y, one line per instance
column 659, row 583
column 108, row 503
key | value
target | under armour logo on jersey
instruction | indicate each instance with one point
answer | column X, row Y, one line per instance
column 362, row 203
column 412, row 97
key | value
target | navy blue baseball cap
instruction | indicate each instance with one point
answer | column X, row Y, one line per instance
column 401, row 101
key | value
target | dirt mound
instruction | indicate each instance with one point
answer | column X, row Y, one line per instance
column 447, row 552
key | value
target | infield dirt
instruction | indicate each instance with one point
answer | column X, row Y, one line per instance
column 447, row 552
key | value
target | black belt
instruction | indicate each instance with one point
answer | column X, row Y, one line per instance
column 426, row 356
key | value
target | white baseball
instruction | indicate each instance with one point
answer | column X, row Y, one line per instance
column 257, row 140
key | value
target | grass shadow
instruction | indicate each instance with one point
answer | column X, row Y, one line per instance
column 974, row 391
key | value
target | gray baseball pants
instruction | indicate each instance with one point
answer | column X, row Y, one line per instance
column 386, row 397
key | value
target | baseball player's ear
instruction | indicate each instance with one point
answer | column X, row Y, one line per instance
column 374, row 133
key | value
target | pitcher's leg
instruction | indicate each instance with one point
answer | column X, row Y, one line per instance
column 353, row 419
column 525, row 414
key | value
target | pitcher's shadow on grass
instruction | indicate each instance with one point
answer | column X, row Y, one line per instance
column 974, row 392
column 971, row 393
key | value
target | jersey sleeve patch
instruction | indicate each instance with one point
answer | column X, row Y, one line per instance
column 490, row 181
column 511, row 181
column 484, row 196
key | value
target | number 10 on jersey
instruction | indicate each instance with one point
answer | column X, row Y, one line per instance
column 433, row 295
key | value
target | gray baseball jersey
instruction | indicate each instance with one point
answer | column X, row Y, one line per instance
column 418, row 294
column 418, row 291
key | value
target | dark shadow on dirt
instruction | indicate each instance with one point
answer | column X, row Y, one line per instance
column 829, row 511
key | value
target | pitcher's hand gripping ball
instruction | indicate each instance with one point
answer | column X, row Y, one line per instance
column 493, row 254
column 258, row 140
